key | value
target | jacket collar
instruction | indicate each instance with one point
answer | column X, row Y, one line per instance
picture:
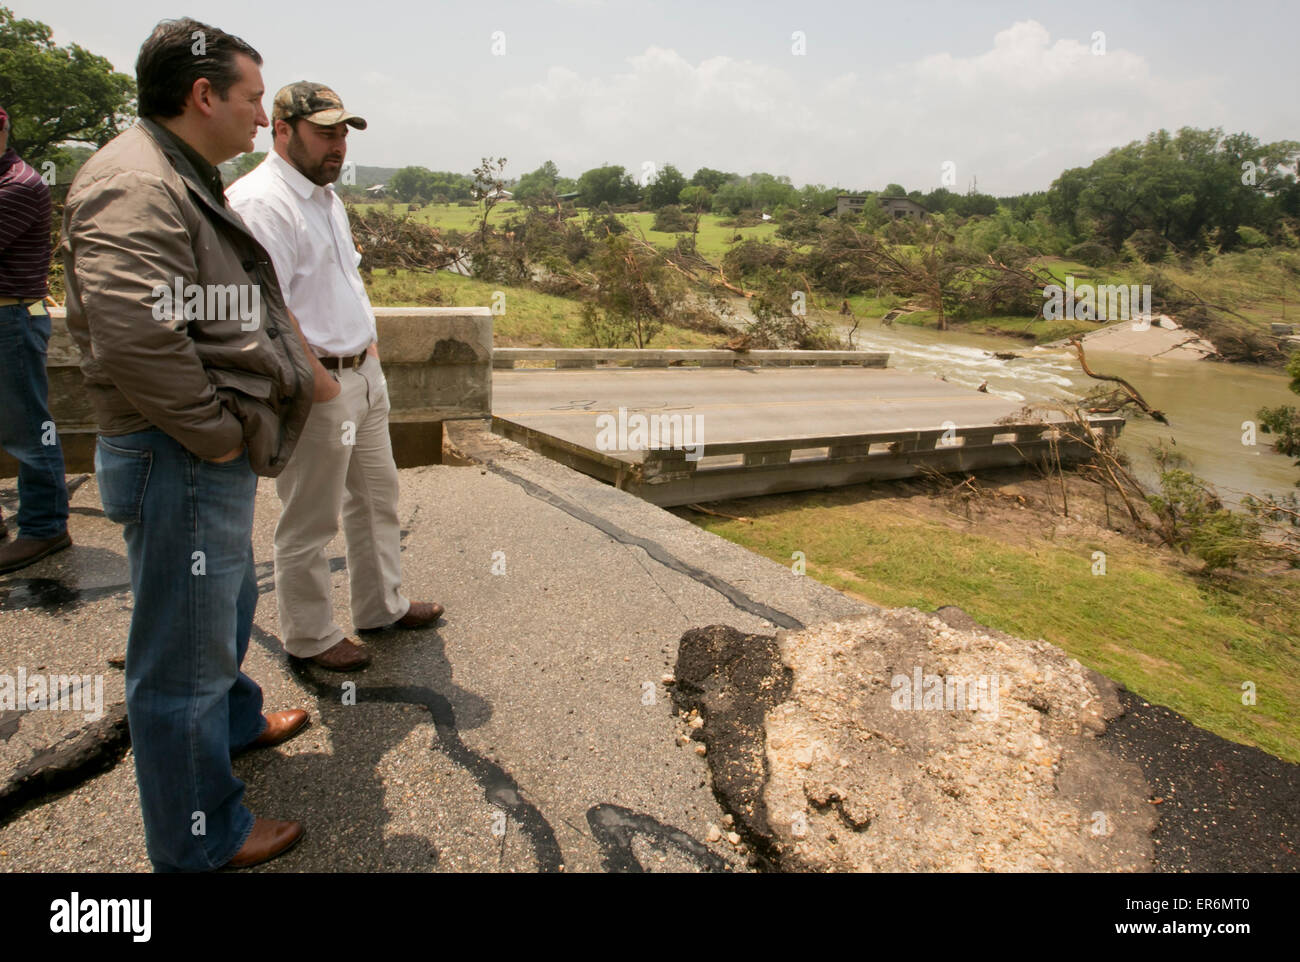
column 185, row 168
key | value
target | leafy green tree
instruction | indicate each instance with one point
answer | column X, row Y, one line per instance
column 538, row 186
column 734, row 196
column 449, row 185
column 758, row 191
column 57, row 94
column 710, row 179
column 629, row 191
column 696, row 198
column 1196, row 522
column 1192, row 188
column 601, row 185
column 410, row 182
column 1284, row 420
column 815, row 198
column 489, row 182
column 665, row 188
column 636, row 291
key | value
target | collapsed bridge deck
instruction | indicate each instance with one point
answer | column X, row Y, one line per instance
column 738, row 432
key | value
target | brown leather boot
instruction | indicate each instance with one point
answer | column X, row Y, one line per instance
column 421, row 614
column 268, row 839
column 345, row 656
column 280, row 727
column 24, row 551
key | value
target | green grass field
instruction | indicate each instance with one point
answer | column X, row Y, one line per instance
column 1169, row 637
column 712, row 242
column 531, row 319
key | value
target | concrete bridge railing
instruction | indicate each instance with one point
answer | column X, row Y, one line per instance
column 505, row 358
column 438, row 362
column 738, row 469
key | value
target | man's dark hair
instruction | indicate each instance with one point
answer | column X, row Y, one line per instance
column 179, row 52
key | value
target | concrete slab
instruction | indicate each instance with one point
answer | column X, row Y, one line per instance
column 710, row 434
column 742, row 404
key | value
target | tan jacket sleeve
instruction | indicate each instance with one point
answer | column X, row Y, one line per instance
column 127, row 238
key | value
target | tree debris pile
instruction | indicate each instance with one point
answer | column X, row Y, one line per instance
column 387, row 241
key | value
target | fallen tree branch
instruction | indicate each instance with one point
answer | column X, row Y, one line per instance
column 1137, row 398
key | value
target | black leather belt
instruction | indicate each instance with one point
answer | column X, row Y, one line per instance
column 339, row 363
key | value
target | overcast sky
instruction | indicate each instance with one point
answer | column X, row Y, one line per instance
column 1009, row 93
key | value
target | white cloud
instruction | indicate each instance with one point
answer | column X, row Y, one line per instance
column 1015, row 114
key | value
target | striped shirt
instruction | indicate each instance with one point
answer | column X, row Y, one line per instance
column 24, row 230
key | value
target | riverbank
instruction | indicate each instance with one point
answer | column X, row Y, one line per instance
column 1161, row 336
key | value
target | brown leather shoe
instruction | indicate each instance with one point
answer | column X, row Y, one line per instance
column 268, row 839
column 422, row 613
column 24, row 551
column 345, row 656
column 280, row 727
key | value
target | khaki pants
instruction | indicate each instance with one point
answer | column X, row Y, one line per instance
column 344, row 460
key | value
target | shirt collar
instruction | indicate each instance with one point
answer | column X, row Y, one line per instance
column 292, row 176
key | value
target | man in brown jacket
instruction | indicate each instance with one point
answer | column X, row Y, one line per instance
column 200, row 383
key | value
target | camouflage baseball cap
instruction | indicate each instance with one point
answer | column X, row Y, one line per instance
column 314, row 102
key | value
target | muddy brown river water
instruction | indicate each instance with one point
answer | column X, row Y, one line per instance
column 1207, row 402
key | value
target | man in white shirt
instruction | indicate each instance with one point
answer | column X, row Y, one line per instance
column 344, row 460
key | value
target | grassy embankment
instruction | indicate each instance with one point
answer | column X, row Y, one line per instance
column 532, row 319
column 1169, row 635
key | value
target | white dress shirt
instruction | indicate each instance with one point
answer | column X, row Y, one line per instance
column 305, row 230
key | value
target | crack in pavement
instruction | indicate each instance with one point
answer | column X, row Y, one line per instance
column 655, row 550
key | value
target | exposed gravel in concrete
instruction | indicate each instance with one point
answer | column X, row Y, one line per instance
column 819, row 770
column 855, row 780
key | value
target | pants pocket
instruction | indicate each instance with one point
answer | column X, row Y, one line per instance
column 123, row 475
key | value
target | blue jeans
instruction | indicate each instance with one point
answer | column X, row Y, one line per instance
column 188, row 525
column 26, row 428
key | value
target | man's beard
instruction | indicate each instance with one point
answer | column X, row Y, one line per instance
column 316, row 173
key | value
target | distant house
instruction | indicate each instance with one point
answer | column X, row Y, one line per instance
column 500, row 195
column 376, row 191
column 897, row 207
